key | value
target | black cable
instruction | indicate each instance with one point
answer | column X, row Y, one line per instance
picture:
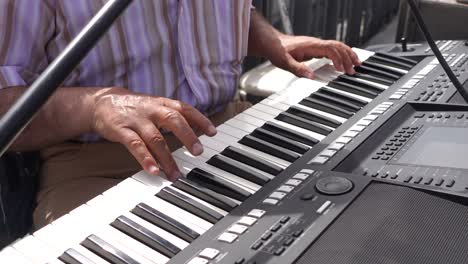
column 437, row 53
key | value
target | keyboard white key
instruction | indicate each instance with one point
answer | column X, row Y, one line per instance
column 301, row 130
column 11, row 255
column 232, row 131
column 280, row 162
column 273, row 110
column 259, row 114
column 250, row 120
column 241, row 125
column 35, row 250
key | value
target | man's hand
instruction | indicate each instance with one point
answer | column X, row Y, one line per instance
column 294, row 50
column 135, row 121
column 288, row 52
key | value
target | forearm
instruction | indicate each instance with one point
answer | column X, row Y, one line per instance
column 263, row 38
column 66, row 115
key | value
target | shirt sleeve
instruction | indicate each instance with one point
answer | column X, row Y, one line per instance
column 25, row 28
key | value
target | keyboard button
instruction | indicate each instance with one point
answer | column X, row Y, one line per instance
column 270, row 201
column 198, row 260
column 246, row 220
column 301, row 176
column 227, row 237
column 209, row 253
column 237, row 229
column 285, row 188
column 256, row 213
column 293, row 182
column 278, row 195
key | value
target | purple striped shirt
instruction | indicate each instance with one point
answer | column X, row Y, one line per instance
column 190, row 50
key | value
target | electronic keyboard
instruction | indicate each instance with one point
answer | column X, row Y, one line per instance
column 273, row 149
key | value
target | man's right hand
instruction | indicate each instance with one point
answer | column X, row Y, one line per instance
column 135, row 121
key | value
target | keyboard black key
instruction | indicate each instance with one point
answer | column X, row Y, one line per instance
column 354, row 89
column 395, row 58
column 145, row 236
column 336, row 101
column 360, row 83
column 326, row 107
column 238, row 169
column 106, row 251
column 206, row 194
column 393, row 63
column 71, row 256
column 291, row 134
column 372, row 78
column 376, row 72
column 315, row 117
column 269, row 148
column 217, row 184
column 332, row 92
column 165, row 222
column 252, row 160
column 179, row 199
column 382, row 67
column 280, row 141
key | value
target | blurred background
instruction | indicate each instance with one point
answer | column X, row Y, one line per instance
column 363, row 23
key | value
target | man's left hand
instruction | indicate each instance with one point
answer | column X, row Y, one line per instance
column 293, row 50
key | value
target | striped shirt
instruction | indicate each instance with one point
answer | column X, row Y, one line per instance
column 189, row 50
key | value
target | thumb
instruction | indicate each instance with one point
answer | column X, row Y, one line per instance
column 300, row 69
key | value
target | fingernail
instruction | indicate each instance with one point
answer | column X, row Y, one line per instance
column 197, row 149
column 211, row 131
column 153, row 170
column 310, row 75
column 352, row 71
column 175, row 176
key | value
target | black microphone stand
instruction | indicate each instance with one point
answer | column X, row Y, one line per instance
column 23, row 110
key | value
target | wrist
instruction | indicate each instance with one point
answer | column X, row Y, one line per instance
column 97, row 99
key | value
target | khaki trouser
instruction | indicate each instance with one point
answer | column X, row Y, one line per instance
column 73, row 173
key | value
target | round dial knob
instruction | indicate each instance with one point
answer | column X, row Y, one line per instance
column 334, row 185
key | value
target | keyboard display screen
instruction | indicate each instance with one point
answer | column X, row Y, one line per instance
column 439, row 147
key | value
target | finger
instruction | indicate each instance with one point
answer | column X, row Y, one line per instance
column 354, row 57
column 192, row 116
column 156, row 143
column 347, row 62
column 299, row 69
column 174, row 121
column 335, row 56
column 138, row 149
